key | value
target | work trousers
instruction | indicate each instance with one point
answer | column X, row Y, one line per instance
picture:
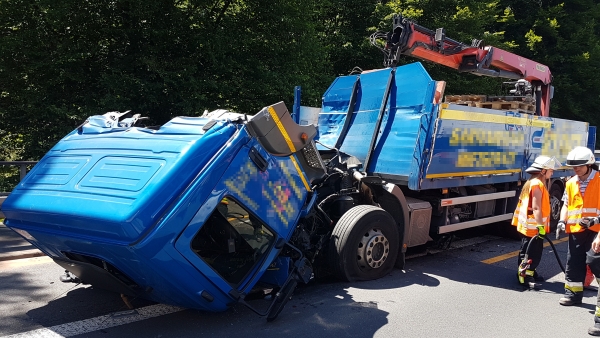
column 579, row 244
column 535, row 250
column 597, row 314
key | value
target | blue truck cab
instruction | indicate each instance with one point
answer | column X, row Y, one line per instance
column 203, row 210
column 170, row 213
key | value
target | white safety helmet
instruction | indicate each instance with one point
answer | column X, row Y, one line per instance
column 580, row 156
column 543, row 162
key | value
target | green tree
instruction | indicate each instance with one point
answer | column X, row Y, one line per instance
column 565, row 35
column 61, row 62
column 462, row 20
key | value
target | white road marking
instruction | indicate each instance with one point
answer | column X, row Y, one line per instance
column 99, row 323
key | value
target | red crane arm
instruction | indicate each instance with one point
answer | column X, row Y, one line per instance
column 408, row 38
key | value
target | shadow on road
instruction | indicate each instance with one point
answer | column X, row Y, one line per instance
column 460, row 266
column 81, row 303
column 315, row 311
column 318, row 309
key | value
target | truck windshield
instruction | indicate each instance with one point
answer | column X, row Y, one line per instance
column 232, row 241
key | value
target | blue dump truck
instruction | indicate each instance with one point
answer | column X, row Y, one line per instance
column 201, row 211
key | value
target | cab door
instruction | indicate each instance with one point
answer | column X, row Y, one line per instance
column 258, row 200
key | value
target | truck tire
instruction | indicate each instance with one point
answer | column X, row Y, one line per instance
column 364, row 244
column 556, row 194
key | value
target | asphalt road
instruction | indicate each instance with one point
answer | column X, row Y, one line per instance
column 467, row 291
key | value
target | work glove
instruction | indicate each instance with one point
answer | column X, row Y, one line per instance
column 587, row 222
column 541, row 230
column 561, row 226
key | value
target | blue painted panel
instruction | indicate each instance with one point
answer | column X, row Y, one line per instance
column 121, row 180
column 277, row 272
column 365, row 114
column 404, row 131
column 152, row 262
column 56, row 170
column 476, row 142
column 120, row 173
column 170, row 277
column 471, row 142
column 554, row 137
column 337, row 97
column 434, row 147
column 335, row 107
column 405, row 123
column 275, row 196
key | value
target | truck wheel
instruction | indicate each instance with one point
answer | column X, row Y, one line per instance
column 364, row 244
column 556, row 195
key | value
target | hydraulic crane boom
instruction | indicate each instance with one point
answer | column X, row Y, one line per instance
column 408, row 38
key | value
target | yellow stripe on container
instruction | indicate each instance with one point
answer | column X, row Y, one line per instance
column 540, row 123
column 459, row 115
column 473, row 173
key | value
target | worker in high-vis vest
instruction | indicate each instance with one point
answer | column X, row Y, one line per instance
column 532, row 218
column 579, row 218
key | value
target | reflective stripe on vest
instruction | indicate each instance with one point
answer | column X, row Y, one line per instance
column 582, row 206
column 523, row 217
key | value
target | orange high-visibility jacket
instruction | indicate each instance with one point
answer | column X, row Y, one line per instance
column 582, row 206
column 523, row 218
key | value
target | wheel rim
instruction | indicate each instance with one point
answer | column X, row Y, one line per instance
column 373, row 249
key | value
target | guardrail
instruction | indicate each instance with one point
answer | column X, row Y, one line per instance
column 22, row 172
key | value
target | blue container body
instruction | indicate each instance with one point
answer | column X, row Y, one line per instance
column 425, row 144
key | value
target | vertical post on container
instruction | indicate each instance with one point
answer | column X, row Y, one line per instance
column 349, row 113
column 386, row 95
column 591, row 143
column 296, row 108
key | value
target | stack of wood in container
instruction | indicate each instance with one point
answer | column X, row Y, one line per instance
column 498, row 102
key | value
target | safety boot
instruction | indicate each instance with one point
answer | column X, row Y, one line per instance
column 594, row 330
column 569, row 301
column 531, row 283
column 571, row 297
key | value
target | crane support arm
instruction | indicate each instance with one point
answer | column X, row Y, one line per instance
column 408, row 38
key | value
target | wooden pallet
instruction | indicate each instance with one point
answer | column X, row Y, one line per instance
column 464, row 103
column 527, row 106
column 465, row 98
column 498, row 103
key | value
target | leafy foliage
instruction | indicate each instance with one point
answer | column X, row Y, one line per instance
column 61, row 62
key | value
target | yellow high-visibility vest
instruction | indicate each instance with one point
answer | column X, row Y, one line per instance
column 582, row 206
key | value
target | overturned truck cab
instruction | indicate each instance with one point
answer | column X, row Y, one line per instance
column 201, row 211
